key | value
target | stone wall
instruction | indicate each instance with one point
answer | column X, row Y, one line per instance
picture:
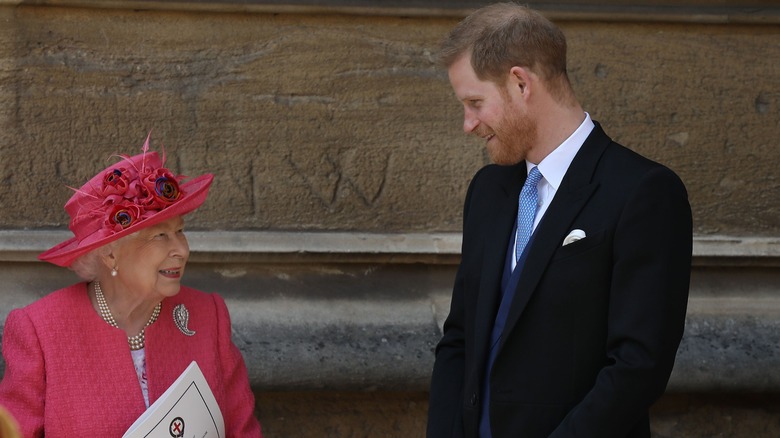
column 332, row 226
column 337, row 122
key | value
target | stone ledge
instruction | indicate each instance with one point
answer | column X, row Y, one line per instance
column 733, row 250
column 272, row 246
column 358, row 247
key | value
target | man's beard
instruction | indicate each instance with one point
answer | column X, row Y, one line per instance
column 514, row 137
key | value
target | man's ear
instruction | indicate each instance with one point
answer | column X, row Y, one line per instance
column 521, row 79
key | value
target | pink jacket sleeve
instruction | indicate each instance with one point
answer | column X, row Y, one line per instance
column 23, row 387
column 239, row 402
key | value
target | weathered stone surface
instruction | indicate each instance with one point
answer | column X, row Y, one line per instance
column 342, row 415
column 729, row 353
column 369, row 414
column 722, row 416
column 345, row 123
column 308, row 122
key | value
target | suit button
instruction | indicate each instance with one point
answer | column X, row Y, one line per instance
column 473, row 399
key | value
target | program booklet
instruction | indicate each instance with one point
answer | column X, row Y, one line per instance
column 186, row 409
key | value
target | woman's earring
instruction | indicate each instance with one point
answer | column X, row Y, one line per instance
column 114, row 271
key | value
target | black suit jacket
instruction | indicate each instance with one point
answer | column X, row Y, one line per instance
column 594, row 327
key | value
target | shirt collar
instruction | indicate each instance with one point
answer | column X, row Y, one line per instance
column 554, row 166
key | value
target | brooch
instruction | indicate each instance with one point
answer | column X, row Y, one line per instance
column 181, row 316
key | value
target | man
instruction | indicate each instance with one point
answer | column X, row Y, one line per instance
column 573, row 334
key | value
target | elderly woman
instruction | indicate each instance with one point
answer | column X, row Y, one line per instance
column 88, row 360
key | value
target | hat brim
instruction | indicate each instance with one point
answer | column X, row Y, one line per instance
column 195, row 193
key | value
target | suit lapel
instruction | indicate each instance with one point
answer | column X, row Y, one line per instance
column 575, row 190
column 499, row 227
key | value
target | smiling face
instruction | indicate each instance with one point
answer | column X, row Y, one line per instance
column 493, row 113
column 151, row 262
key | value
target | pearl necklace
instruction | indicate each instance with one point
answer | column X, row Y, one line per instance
column 136, row 342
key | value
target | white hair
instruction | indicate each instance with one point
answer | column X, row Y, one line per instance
column 89, row 266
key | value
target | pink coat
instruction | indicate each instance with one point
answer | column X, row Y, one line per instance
column 69, row 374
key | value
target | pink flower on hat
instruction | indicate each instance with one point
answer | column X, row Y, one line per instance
column 116, row 182
column 162, row 185
column 121, row 215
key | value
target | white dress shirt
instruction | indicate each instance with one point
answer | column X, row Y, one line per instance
column 553, row 168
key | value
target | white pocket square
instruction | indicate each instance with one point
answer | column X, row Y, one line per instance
column 574, row 236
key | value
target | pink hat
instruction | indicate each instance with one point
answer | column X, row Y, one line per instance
column 131, row 195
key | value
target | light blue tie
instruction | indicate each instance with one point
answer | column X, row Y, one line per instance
column 526, row 211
